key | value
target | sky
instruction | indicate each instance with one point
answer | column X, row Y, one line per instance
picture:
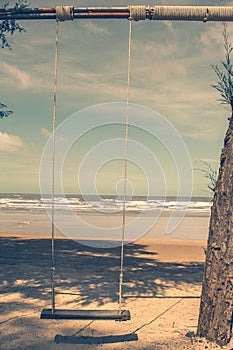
column 170, row 74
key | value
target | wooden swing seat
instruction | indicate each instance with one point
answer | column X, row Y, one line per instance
column 123, row 315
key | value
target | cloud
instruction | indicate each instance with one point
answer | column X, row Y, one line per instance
column 20, row 76
column 45, row 132
column 155, row 50
column 48, row 134
column 212, row 36
column 94, row 28
column 10, row 143
column 169, row 25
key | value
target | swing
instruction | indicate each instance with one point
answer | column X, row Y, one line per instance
column 123, row 315
column 65, row 13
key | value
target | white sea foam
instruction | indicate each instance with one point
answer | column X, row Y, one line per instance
column 31, row 202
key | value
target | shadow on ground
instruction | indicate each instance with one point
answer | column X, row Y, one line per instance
column 110, row 339
column 87, row 274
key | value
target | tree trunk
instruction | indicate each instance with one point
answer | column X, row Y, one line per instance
column 216, row 308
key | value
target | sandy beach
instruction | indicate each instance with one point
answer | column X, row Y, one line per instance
column 162, row 286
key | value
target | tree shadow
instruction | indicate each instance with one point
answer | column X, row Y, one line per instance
column 87, row 274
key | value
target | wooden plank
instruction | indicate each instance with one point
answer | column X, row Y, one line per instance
column 87, row 340
column 59, row 314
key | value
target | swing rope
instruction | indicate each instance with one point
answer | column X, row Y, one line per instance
column 62, row 15
column 125, row 167
column 53, row 167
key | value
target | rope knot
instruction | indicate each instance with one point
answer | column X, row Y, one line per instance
column 64, row 13
column 137, row 13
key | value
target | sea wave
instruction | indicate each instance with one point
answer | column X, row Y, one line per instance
column 105, row 204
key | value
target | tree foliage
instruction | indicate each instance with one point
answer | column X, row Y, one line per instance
column 9, row 27
column 210, row 174
column 224, row 85
column 4, row 112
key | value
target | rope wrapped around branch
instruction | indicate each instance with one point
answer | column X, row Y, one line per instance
column 137, row 13
column 192, row 13
column 64, row 13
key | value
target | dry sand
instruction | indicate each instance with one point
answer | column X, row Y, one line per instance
column 162, row 288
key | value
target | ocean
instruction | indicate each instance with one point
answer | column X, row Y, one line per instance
column 92, row 219
column 104, row 204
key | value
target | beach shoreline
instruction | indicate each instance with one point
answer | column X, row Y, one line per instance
column 192, row 226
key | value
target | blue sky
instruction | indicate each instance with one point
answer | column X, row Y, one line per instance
column 170, row 73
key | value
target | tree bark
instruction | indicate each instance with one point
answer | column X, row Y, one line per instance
column 216, row 307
